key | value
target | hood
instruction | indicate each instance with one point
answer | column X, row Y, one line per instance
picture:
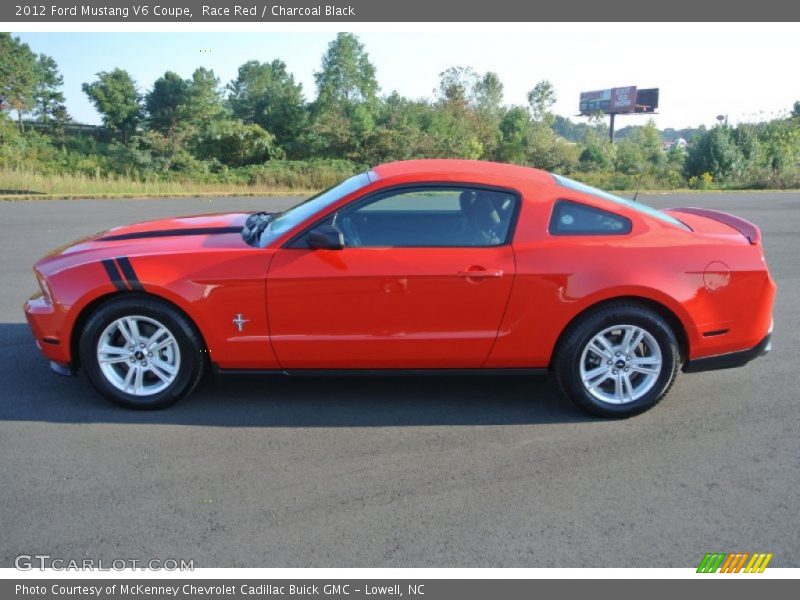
column 177, row 226
column 164, row 236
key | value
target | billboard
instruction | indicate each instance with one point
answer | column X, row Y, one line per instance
column 647, row 100
column 618, row 100
column 594, row 102
column 623, row 99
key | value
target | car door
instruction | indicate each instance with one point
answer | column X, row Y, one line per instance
column 422, row 282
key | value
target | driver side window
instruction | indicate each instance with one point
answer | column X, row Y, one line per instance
column 434, row 216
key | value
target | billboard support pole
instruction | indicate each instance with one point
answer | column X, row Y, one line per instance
column 611, row 127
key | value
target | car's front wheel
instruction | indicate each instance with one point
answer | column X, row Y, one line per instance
column 141, row 352
column 618, row 360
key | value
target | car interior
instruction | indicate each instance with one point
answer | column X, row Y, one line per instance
column 432, row 217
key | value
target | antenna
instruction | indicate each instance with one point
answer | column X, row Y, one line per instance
column 638, row 185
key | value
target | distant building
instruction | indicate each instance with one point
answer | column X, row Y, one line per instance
column 679, row 143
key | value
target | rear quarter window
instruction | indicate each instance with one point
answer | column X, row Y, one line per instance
column 574, row 218
column 637, row 206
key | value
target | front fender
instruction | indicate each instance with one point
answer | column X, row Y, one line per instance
column 210, row 288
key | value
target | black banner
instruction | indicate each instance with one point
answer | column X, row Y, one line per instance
column 361, row 589
column 353, row 11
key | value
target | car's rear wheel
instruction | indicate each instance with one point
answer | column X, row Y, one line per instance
column 618, row 360
column 141, row 352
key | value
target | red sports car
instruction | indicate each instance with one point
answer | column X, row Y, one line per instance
column 419, row 266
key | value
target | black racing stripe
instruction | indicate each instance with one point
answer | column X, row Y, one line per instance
column 130, row 275
column 114, row 275
column 171, row 233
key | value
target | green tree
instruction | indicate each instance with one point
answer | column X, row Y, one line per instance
column 468, row 112
column 453, row 136
column 166, row 102
column 50, row 110
column 574, row 132
column 781, row 141
column 347, row 76
column 329, row 136
column 516, row 131
column 715, row 152
column 401, row 130
column 168, row 150
column 267, row 95
column 19, row 74
column 204, row 101
column 549, row 152
column 746, row 137
column 183, row 115
column 545, row 149
column 628, row 157
column 592, row 158
column 676, row 156
column 641, row 152
column 489, row 93
column 598, row 151
column 457, row 86
column 116, row 98
column 648, row 137
column 541, row 100
column 237, row 144
column 347, row 106
column 488, row 101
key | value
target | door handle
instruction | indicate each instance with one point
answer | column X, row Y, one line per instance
column 476, row 273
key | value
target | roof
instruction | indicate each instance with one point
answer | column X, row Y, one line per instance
column 455, row 166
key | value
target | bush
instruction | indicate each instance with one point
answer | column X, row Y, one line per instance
column 301, row 174
column 703, row 182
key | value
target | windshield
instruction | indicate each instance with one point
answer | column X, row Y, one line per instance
column 643, row 208
column 292, row 217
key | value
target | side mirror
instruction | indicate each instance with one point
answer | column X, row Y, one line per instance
column 325, row 237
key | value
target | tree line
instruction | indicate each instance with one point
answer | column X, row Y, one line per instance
column 261, row 125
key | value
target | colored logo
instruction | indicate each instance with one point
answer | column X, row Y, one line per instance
column 738, row 562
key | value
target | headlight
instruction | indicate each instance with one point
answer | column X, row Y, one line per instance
column 48, row 297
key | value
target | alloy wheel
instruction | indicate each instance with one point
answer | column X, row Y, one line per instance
column 138, row 355
column 620, row 364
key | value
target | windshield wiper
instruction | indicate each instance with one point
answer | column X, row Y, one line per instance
column 255, row 225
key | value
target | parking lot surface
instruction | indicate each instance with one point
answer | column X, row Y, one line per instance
column 378, row 472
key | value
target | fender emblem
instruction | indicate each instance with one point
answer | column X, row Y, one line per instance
column 239, row 321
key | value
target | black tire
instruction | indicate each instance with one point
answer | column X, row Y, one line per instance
column 189, row 341
column 567, row 362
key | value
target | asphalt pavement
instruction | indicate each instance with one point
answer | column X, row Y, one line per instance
column 414, row 472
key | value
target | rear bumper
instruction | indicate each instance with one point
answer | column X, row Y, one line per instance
column 729, row 360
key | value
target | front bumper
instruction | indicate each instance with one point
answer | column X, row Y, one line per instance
column 63, row 370
column 731, row 359
column 45, row 323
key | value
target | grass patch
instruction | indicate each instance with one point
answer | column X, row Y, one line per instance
column 32, row 185
column 28, row 185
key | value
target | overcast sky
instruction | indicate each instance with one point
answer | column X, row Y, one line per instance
column 746, row 71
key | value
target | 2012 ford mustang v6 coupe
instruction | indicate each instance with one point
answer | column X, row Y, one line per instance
column 432, row 265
